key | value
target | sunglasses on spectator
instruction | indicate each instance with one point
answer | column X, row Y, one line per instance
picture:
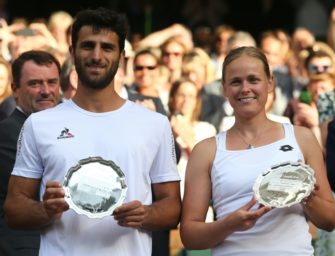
column 138, row 68
column 318, row 69
column 176, row 54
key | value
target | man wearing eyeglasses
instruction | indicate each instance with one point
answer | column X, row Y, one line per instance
column 145, row 89
column 173, row 51
column 319, row 62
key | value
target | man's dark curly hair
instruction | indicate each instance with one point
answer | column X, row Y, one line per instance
column 98, row 19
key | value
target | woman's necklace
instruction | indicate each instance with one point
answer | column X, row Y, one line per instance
column 249, row 144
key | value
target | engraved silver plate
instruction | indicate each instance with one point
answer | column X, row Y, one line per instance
column 284, row 185
column 95, row 187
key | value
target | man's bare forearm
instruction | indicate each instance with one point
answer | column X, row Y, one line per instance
column 24, row 213
column 165, row 212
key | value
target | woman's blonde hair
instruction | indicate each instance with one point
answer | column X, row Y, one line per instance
column 196, row 57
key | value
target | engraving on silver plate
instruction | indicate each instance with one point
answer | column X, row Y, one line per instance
column 95, row 187
column 284, row 185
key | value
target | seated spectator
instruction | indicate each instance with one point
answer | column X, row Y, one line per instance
column 272, row 44
column 22, row 36
column 172, row 52
column 303, row 111
column 152, row 103
column 321, row 59
column 185, row 106
column 146, row 73
column 58, row 24
column 68, row 79
column 240, row 38
column 35, row 36
column 222, row 34
column 198, row 67
column 301, row 39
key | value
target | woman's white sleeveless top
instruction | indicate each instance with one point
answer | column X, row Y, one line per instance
column 280, row 232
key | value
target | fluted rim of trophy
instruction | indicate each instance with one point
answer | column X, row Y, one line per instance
column 95, row 187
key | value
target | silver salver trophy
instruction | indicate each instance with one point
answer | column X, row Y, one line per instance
column 95, row 187
column 284, row 185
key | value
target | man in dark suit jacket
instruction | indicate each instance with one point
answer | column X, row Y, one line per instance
column 9, row 132
column 35, row 87
column 7, row 107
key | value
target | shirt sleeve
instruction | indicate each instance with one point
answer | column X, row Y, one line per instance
column 164, row 167
column 28, row 161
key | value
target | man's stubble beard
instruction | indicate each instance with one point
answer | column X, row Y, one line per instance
column 99, row 83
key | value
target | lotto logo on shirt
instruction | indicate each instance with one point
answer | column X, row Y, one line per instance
column 286, row 148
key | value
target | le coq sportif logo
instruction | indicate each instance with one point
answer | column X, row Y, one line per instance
column 65, row 134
